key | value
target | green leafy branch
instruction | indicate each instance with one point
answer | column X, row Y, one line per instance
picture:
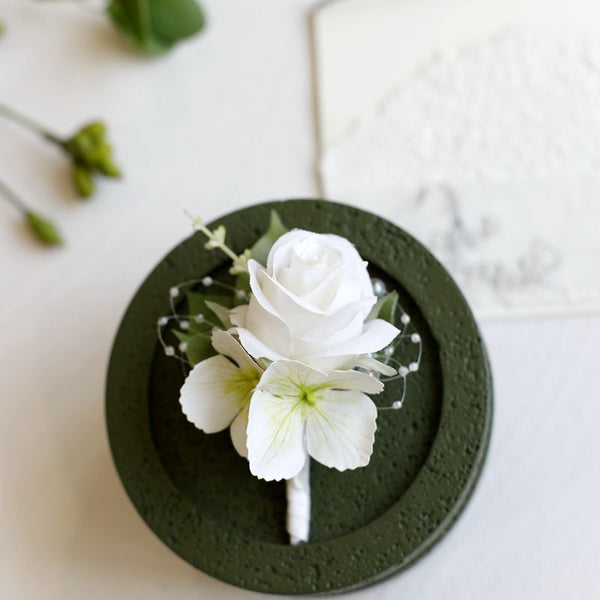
column 205, row 309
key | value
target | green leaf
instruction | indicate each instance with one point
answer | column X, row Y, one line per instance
column 242, row 283
column 197, row 305
column 385, row 308
column 45, row 231
column 199, row 346
column 198, row 336
column 260, row 250
column 154, row 26
column 221, row 311
column 174, row 20
column 132, row 19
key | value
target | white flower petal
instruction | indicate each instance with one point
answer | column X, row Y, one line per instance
column 224, row 343
column 354, row 380
column 207, row 399
column 238, row 431
column 281, row 253
column 340, row 429
column 345, row 324
column 376, row 335
column 270, row 330
column 255, row 347
column 371, row 364
column 287, row 379
column 239, row 315
column 275, row 436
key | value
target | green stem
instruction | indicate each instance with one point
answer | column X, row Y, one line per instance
column 12, row 198
column 27, row 123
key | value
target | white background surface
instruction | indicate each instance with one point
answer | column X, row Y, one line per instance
column 225, row 121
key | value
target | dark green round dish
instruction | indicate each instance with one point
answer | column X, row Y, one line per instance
column 197, row 494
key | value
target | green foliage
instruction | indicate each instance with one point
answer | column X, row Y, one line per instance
column 385, row 308
column 82, row 179
column 199, row 346
column 211, row 307
column 43, row 230
column 214, row 309
column 260, row 250
column 155, row 26
column 91, row 153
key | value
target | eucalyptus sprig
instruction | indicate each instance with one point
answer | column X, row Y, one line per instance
column 88, row 149
column 42, row 229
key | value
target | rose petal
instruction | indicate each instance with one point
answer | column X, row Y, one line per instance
column 237, row 431
column 205, row 397
column 255, row 347
column 275, row 436
column 309, row 322
column 270, row 330
column 282, row 250
column 377, row 334
column 239, row 315
column 346, row 323
column 340, row 429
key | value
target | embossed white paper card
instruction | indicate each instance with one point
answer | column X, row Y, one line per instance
column 476, row 127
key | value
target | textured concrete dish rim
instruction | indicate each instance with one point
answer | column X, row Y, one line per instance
column 143, row 475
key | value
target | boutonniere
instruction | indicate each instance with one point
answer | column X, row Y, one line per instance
column 288, row 355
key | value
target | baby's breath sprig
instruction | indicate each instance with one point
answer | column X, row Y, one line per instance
column 216, row 239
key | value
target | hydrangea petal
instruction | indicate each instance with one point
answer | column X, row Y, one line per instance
column 340, row 429
column 372, row 364
column 354, row 380
column 275, row 436
column 238, row 431
column 224, row 343
column 207, row 399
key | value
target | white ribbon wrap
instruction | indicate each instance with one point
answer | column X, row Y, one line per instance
column 298, row 505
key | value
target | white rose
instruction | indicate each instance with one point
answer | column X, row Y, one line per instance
column 310, row 304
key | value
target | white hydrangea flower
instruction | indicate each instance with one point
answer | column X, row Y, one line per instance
column 216, row 393
column 298, row 410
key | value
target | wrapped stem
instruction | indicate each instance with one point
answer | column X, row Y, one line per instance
column 298, row 505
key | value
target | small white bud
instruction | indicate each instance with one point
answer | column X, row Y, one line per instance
column 169, row 351
column 163, row 321
column 174, row 292
column 207, row 281
column 405, row 319
column 185, row 325
column 415, row 338
column 413, row 367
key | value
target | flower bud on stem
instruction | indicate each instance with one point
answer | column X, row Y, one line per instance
column 43, row 230
column 88, row 149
